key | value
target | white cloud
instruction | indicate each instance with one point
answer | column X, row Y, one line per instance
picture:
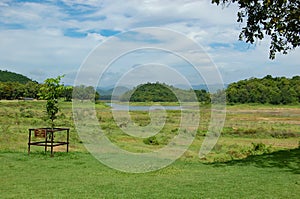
column 46, row 50
column 33, row 34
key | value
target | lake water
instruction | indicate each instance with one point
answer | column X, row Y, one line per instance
column 141, row 108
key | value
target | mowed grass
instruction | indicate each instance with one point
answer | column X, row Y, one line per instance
column 79, row 175
column 257, row 156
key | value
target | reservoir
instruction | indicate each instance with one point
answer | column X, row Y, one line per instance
column 121, row 107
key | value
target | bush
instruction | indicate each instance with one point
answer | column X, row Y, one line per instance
column 260, row 148
column 151, row 141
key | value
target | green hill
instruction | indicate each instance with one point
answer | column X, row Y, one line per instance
column 6, row 76
column 160, row 92
column 267, row 90
column 151, row 92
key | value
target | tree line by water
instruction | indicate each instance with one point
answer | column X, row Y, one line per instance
column 266, row 90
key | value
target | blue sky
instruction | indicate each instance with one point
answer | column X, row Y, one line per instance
column 44, row 39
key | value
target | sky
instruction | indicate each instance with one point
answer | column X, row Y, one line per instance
column 43, row 39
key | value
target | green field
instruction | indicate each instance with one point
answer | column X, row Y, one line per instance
column 257, row 156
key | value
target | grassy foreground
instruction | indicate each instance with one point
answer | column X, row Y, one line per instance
column 256, row 157
column 79, row 175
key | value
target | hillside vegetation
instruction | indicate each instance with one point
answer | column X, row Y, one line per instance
column 6, row 76
column 268, row 90
column 16, row 86
column 160, row 92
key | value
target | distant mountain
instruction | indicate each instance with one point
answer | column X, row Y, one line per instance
column 106, row 93
column 7, row 76
column 212, row 87
column 117, row 91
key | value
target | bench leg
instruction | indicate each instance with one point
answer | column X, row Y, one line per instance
column 46, row 140
column 29, row 141
column 52, row 144
column 67, row 141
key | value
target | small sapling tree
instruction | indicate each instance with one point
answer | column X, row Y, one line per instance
column 51, row 90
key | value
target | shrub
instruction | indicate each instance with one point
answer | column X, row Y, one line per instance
column 151, row 141
column 259, row 148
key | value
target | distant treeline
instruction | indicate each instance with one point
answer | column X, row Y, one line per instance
column 15, row 86
column 268, row 90
column 31, row 90
column 16, row 90
column 160, row 92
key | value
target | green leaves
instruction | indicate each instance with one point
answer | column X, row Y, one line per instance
column 280, row 19
column 51, row 90
column 85, row 93
column 278, row 90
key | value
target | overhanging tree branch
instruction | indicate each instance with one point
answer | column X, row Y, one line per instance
column 279, row 19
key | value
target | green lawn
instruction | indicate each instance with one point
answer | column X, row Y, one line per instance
column 233, row 169
column 79, row 175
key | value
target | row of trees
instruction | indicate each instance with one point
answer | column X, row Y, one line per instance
column 277, row 90
column 82, row 93
column 267, row 90
column 16, row 90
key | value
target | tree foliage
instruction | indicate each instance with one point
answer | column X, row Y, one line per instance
column 7, row 76
column 160, row 92
column 15, row 90
column 279, row 19
column 272, row 90
column 67, row 94
column 51, row 90
column 155, row 92
column 85, row 93
column 277, row 90
column 17, row 86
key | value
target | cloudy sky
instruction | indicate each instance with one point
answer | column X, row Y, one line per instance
column 44, row 39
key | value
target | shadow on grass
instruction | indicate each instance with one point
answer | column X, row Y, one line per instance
column 288, row 160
